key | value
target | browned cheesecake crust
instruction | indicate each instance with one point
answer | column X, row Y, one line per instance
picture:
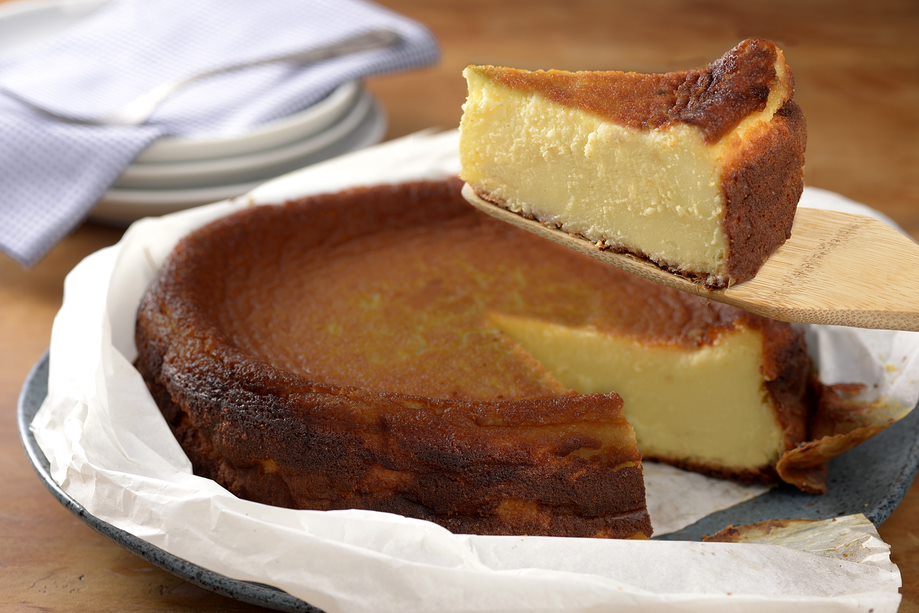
column 512, row 467
column 538, row 461
column 715, row 98
column 761, row 189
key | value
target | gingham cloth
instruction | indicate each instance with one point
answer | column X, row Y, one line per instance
column 53, row 172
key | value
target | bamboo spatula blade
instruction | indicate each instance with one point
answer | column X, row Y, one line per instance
column 837, row 269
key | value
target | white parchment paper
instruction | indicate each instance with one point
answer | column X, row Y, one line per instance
column 111, row 451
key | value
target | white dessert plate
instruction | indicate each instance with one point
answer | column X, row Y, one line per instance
column 248, row 167
column 27, row 24
column 123, row 206
column 308, row 122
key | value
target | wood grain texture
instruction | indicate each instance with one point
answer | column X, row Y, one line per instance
column 857, row 72
column 836, row 269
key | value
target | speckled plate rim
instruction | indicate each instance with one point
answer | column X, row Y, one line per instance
column 851, row 486
column 30, row 399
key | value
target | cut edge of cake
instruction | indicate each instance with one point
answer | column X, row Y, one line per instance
column 731, row 407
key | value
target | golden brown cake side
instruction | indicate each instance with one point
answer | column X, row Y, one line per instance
column 565, row 465
column 715, row 99
column 761, row 186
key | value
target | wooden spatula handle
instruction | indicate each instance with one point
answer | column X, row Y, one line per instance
column 836, row 268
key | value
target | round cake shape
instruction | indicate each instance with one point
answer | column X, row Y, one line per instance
column 273, row 408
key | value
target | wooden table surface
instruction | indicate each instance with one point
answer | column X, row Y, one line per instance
column 857, row 71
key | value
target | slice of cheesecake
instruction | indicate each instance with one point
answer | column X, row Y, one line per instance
column 698, row 171
column 726, row 403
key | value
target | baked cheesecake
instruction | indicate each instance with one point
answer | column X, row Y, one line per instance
column 333, row 354
column 393, row 349
column 698, row 171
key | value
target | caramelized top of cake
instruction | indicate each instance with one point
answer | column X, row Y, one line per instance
column 366, row 292
column 715, row 99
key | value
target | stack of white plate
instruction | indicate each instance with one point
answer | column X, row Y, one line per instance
column 177, row 173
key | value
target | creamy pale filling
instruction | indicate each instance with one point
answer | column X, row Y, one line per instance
column 705, row 405
column 652, row 192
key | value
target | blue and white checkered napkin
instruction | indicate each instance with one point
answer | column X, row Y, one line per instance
column 52, row 172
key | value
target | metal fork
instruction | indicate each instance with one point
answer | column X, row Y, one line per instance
column 139, row 110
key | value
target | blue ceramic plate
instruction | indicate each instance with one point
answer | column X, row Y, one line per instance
column 871, row 479
column 31, row 398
